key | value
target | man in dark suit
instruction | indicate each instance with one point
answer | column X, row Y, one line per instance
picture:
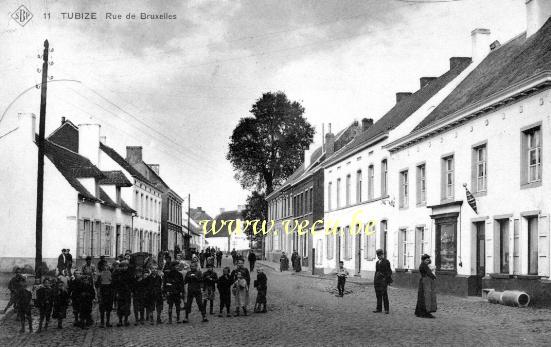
column 69, row 258
column 383, row 277
column 62, row 261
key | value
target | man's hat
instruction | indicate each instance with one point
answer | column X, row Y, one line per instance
column 379, row 251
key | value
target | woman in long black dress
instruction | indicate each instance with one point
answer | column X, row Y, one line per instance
column 426, row 296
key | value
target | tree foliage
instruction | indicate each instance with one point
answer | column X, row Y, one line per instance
column 268, row 147
column 257, row 208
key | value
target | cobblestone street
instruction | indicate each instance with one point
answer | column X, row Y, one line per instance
column 304, row 311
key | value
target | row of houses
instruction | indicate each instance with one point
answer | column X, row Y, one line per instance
column 97, row 202
column 455, row 170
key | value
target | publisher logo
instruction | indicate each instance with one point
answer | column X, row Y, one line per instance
column 22, row 15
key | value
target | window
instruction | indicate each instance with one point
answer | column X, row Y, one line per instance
column 421, row 243
column 348, row 179
column 421, row 185
column 329, row 195
column 446, row 244
column 448, row 178
column 370, row 247
column 479, row 174
column 384, row 236
column 311, row 199
column 384, row 177
column 338, row 193
column 404, row 189
column 128, row 239
column 531, row 155
column 107, row 244
column 347, row 243
column 403, row 249
column 359, row 186
column 86, row 243
column 532, row 223
column 370, row 179
column 503, row 225
column 330, row 246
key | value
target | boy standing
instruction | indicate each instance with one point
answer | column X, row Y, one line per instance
column 154, row 295
column 173, row 283
column 23, row 301
column 44, row 303
column 209, row 286
column 194, row 280
column 241, row 292
column 121, row 285
column 224, row 289
column 86, row 300
column 61, row 300
column 261, row 285
column 342, row 274
column 105, row 291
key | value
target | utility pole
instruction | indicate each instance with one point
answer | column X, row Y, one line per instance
column 188, row 248
column 40, row 173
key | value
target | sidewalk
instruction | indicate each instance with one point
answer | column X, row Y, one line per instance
column 306, row 272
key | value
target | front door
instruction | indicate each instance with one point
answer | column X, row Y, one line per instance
column 358, row 266
column 480, row 255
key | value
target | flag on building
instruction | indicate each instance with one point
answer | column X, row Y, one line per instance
column 470, row 199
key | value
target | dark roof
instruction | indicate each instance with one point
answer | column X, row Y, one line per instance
column 126, row 208
column 116, row 178
column 505, row 66
column 226, row 216
column 66, row 136
column 401, row 111
column 122, row 162
column 106, row 199
column 198, row 214
column 72, row 166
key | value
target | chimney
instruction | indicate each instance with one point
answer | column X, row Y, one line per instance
column 240, row 208
column 537, row 13
column 62, row 120
column 103, row 139
column 307, row 157
column 366, row 123
column 329, row 146
column 134, row 154
column 222, row 210
column 88, row 141
column 425, row 80
column 495, row 45
column 199, row 208
column 401, row 96
column 457, row 61
column 155, row 167
column 480, row 39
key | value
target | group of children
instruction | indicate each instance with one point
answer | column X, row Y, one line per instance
column 118, row 287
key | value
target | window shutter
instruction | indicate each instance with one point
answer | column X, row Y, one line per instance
column 543, row 246
column 410, row 247
column 516, row 247
column 398, row 248
column 418, row 243
column 80, row 238
column 474, row 183
column 96, row 229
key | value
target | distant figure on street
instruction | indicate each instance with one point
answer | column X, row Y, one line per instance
column 202, row 258
column 219, row 255
column 426, row 295
column 261, row 285
column 252, row 260
column 234, row 256
column 342, row 274
column 383, row 277
column 297, row 266
column 210, row 259
column 283, row 262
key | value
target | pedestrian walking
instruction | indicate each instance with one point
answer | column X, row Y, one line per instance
column 342, row 274
column 194, row 281
column 44, row 303
column 252, row 260
column 261, row 285
column 202, row 258
column 61, row 301
column 283, row 262
column 210, row 259
column 23, row 302
column 224, row 289
column 234, row 256
column 383, row 277
column 219, row 255
column 105, row 293
column 426, row 295
column 209, row 287
column 241, row 293
column 173, row 285
column 154, row 295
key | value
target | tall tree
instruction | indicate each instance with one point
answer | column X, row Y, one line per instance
column 257, row 208
column 266, row 148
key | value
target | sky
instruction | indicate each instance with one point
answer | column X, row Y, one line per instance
column 178, row 87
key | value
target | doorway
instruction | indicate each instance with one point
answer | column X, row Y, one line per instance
column 358, row 254
column 480, row 255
